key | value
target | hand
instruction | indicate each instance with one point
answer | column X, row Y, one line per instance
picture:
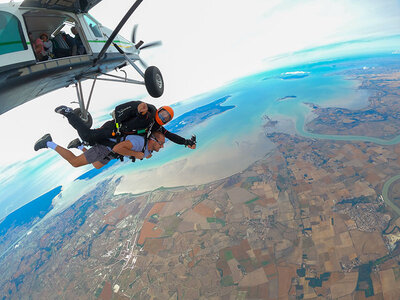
column 142, row 108
column 191, row 143
column 150, row 155
column 140, row 155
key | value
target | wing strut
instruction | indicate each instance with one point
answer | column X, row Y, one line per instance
column 116, row 30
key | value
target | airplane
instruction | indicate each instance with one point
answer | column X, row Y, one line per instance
column 24, row 75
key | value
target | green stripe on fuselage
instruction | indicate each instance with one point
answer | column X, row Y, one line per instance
column 10, row 43
column 120, row 42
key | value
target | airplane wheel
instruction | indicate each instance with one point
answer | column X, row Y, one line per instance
column 154, row 81
column 88, row 122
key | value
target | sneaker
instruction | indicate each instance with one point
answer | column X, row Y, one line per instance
column 42, row 142
column 74, row 143
column 64, row 110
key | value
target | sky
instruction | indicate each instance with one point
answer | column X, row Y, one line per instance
column 206, row 44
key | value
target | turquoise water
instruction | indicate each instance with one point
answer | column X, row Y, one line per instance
column 258, row 95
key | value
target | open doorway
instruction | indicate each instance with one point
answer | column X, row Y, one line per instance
column 54, row 35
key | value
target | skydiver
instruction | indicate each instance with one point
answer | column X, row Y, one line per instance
column 134, row 146
column 133, row 117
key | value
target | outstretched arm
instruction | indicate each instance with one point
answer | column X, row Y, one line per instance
column 124, row 148
column 177, row 139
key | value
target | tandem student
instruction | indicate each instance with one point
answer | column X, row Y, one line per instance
column 133, row 146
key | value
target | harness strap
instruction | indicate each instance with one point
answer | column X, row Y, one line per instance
column 119, row 139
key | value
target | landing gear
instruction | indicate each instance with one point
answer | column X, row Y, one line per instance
column 154, row 81
column 83, row 111
column 88, row 120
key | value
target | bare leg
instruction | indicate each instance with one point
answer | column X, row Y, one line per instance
column 75, row 161
column 97, row 165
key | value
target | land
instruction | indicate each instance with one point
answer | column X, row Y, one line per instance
column 199, row 114
column 286, row 98
column 308, row 221
column 381, row 118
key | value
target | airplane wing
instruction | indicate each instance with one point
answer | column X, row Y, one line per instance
column 75, row 6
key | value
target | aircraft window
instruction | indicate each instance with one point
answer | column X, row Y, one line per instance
column 93, row 26
column 11, row 34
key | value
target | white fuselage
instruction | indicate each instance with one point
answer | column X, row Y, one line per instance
column 25, row 75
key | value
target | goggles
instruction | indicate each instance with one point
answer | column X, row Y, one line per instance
column 164, row 115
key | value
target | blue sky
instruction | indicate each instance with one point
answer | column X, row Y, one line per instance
column 205, row 45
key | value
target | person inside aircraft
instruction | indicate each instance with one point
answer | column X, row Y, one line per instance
column 62, row 48
column 39, row 50
column 70, row 42
column 80, row 48
column 47, row 44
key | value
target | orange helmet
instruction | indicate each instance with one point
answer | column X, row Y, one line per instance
column 164, row 114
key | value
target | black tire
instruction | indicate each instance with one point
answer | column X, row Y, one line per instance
column 154, row 82
column 88, row 122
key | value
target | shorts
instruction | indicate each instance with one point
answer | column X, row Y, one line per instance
column 98, row 153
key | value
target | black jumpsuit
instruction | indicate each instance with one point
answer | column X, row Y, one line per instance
column 128, row 117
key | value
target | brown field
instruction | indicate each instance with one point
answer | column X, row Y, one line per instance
column 120, row 297
column 203, row 210
column 373, row 178
column 178, row 205
column 237, row 275
column 194, row 251
column 256, row 292
column 285, row 275
column 148, row 231
column 156, row 209
column 369, row 245
column 222, row 265
column 106, row 293
column 335, row 276
column 240, row 251
column 389, row 285
column 270, row 269
column 254, row 278
column 154, row 245
column 332, row 265
column 191, row 217
column 376, row 283
column 117, row 214
column 185, row 226
column 344, row 286
column 309, row 292
column 239, row 195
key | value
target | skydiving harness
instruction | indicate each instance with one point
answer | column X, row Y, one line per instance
column 120, row 136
